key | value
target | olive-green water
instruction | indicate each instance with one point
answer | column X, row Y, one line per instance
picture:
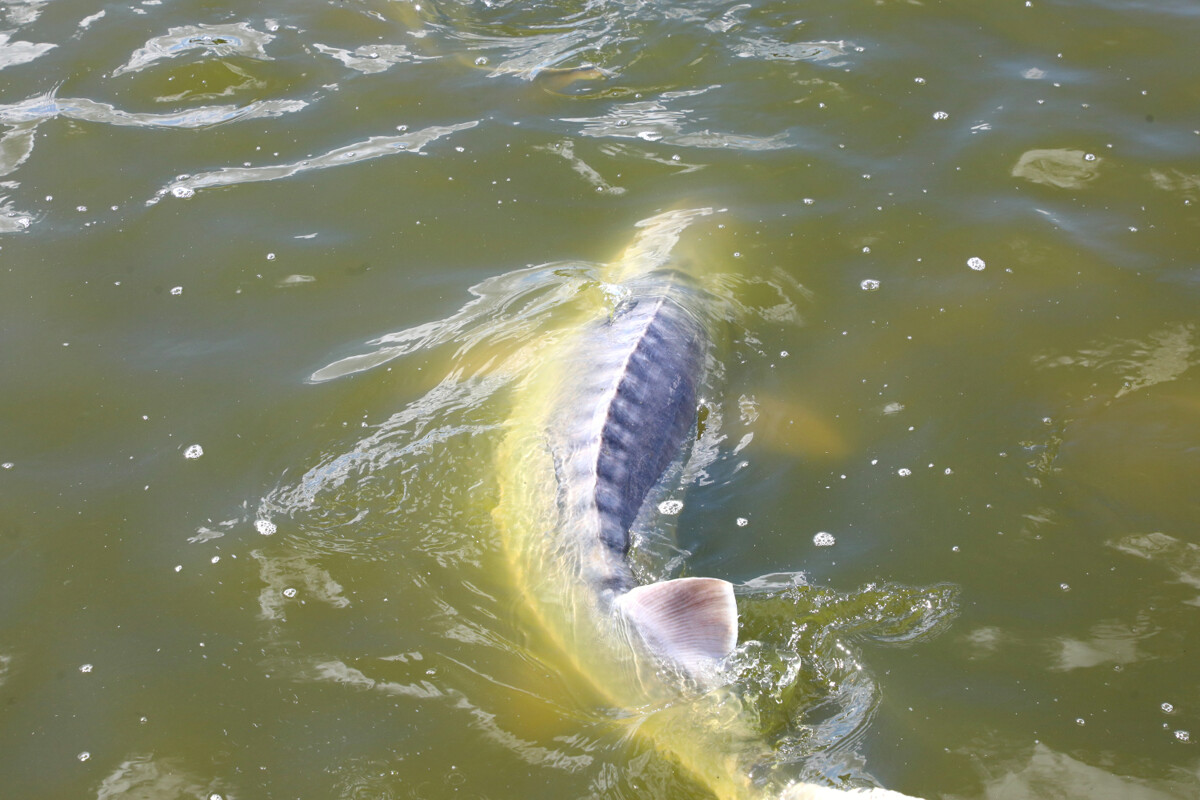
column 259, row 265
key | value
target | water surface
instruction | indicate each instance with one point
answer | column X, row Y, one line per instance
column 261, row 270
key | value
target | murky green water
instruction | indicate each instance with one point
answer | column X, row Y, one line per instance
column 248, row 432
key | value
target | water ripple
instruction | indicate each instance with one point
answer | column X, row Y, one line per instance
column 506, row 307
column 220, row 41
column 374, row 147
column 771, row 49
column 18, row 52
column 369, row 59
column 800, row 670
column 47, row 106
column 654, row 121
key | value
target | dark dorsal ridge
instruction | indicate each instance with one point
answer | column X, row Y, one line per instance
column 650, row 414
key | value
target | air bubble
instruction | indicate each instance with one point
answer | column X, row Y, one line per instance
column 742, row 522
column 176, row 291
column 869, row 285
column 182, row 191
column 940, row 115
column 904, row 472
column 1183, row 736
column 976, row 263
column 289, row 592
column 193, row 452
column 85, row 668
column 1167, row 708
column 84, row 756
column 671, row 507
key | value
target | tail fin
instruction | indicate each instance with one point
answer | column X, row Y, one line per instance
column 691, row 622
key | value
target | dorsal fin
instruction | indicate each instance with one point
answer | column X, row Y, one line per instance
column 691, row 622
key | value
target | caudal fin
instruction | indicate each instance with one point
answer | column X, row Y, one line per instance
column 691, row 622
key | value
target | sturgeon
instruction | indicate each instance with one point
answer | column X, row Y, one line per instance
column 637, row 372
column 607, row 406
column 607, row 409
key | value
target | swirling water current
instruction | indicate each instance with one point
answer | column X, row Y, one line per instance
column 267, row 276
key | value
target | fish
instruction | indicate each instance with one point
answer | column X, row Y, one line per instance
column 604, row 413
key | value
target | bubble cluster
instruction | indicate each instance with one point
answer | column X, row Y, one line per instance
column 869, row 285
column 976, row 263
column 193, row 451
column 823, row 539
column 264, row 526
column 671, row 507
